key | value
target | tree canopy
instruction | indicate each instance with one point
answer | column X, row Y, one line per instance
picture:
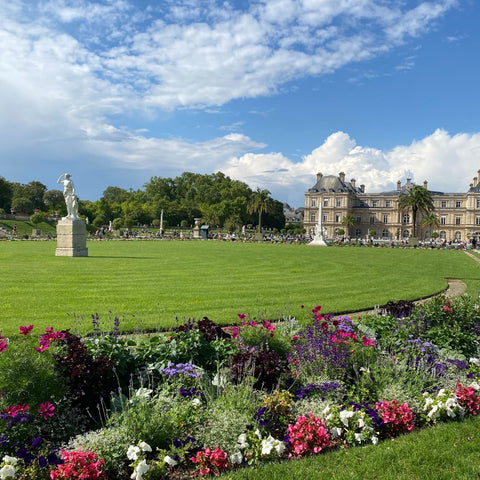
column 417, row 200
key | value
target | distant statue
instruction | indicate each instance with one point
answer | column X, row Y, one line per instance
column 69, row 195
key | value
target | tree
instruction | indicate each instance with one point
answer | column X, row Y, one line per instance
column 54, row 200
column 417, row 200
column 260, row 202
column 430, row 220
column 349, row 220
column 6, row 194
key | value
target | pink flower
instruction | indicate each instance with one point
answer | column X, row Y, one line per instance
column 235, row 332
column 268, row 325
column 26, row 330
column 241, row 316
column 316, row 309
column 3, row 346
column 308, row 435
column 252, row 323
column 368, row 342
column 46, row 410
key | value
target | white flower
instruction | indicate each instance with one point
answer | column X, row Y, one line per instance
column 242, row 441
column 258, row 434
column 374, row 440
column 451, row 402
column 336, row 432
column 475, row 361
column 433, row 412
column 428, row 402
column 145, row 447
column 326, row 411
column 440, row 392
column 170, row 461
column 280, row 447
column 475, row 386
column 361, row 423
column 236, row 458
column 7, row 471
column 10, row 460
column 140, row 469
column 132, row 452
column 450, row 413
column 329, row 417
column 267, row 445
column 345, row 415
column 359, row 437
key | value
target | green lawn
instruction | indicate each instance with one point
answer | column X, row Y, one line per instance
column 148, row 283
column 447, row 451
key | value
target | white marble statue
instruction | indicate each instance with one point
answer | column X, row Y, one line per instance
column 69, row 195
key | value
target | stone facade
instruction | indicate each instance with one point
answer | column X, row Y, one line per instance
column 458, row 213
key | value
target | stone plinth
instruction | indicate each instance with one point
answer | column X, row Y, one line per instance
column 71, row 238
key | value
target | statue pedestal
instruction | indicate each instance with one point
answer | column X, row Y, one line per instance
column 319, row 241
column 71, row 238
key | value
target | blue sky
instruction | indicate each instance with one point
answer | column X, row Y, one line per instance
column 269, row 92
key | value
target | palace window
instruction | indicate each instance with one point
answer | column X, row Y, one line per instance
column 478, row 202
column 372, row 219
column 458, row 220
column 313, row 203
column 458, row 236
column 458, row 204
column 406, row 218
column 374, row 203
column 325, row 202
column 443, row 220
column 358, row 232
column 325, row 218
column 385, row 218
column 338, row 218
column 444, row 204
column 312, row 217
column 388, row 203
column 443, row 235
column 477, row 220
column 339, row 202
column 359, row 219
column 385, row 233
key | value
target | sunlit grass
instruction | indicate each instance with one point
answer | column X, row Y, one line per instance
column 150, row 283
column 446, row 451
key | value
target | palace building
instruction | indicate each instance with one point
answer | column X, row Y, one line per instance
column 377, row 214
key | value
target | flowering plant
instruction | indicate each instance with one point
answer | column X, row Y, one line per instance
column 396, row 418
column 308, row 435
column 467, row 397
column 210, row 461
column 442, row 406
column 8, row 467
column 136, row 453
column 252, row 447
column 79, row 463
column 349, row 425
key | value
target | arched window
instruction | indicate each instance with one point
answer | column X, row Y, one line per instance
column 405, row 234
column 458, row 236
column 358, row 232
column 385, row 233
column 406, row 218
column 443, row 235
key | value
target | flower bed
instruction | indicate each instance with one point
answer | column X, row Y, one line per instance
column 203, row 400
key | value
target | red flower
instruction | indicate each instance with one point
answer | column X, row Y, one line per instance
column 3, row 346
column 241, row 316
column 46, row 410
column 26, row 330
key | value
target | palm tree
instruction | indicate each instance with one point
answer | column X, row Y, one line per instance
column 417, row 199
column 260, row 202
column 430, row 220
column 348, row 221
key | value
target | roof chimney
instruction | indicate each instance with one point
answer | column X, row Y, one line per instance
column 362, row 188
column 352, row 181
column 478, row 172
column 319, row 176
column 425, row 183
column 399, row 185
column 341, row 176
column 475, row 180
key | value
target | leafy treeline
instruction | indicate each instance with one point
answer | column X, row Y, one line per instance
column 215, row 198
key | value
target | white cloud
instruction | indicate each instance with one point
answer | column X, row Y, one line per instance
column 447, row 162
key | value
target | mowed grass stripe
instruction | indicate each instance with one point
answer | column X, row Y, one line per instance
column 155, row 281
